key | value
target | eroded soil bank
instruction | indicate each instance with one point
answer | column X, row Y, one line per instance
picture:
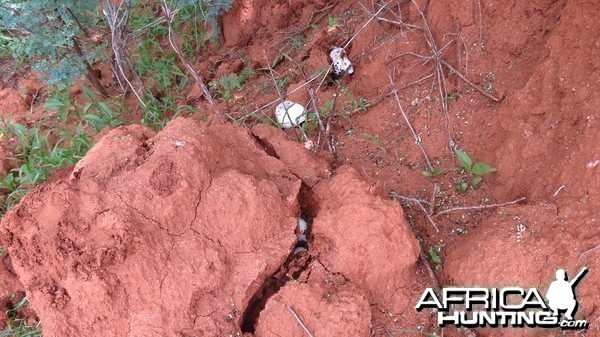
column 191, row 231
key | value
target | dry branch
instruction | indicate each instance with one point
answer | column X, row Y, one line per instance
column 280, row 94
column 169, row 16
column 475, row 86
column 412, row 130
column 300, row 321
column 117, row 19
column 479, row 207
column 325, row 132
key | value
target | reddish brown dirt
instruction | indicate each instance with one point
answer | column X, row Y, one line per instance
column 541, row 57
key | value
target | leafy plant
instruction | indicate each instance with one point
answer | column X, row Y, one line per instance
column 291, row 45
column 37, row 157
column 53, row 36
column 105, row 116
column 477, row 170
column 434, row 256
column 95, row 112
column 436, row 172
column 332, row 21
column 353, row 103
column 375, row 141
column 226, row 85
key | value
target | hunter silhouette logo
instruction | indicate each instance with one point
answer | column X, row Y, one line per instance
column 512, row 306
column 561, row 294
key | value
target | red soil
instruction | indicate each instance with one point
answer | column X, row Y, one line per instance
column 151, row 237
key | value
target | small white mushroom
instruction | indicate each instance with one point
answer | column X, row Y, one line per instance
column 341, row 63
column 302, row 238
column 290, row 114
column 302, row 225
column 299, row 250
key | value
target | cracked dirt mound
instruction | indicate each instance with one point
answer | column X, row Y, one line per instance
column 154, row 236
column 362, row 263
column 182, row 234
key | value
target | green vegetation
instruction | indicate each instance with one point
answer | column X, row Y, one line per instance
column 332, row 21
column 436, row 172
column 375, row 141
column 434, row 255
column 53, row 36
column 66, row 40
column 17, row 326
column 470, row 171
column 226, row 85
column 38, row 151
column 353, row 104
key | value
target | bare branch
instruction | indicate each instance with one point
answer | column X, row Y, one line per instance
column 300, row 322
column 313, row 99
column 475, row 86
column 479, row 207
column 412, row 130
column 588, row 251
column 170, row 17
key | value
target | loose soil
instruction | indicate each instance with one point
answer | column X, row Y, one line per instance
column 190, row 231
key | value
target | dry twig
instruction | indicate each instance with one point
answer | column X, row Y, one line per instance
column 117, row 19
column 169, row 16
column 281, row 95
column 325, row 132
column 299, row 321
column 588, row 251
column 420, row 203
column 479, row 207
column 475, row 86
column 412, row 130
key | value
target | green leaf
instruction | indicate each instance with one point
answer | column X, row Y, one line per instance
column 465, row 161
column 104, row 109
column 461, row 186
column 438, row 171
column 54, row 104
column 86, row 107
column 476, row 181
column 434, row 256
column 482, row 168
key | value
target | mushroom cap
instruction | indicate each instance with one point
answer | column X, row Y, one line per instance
column 296, row 114
column 341, row 62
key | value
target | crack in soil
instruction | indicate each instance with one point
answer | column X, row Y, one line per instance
column 293, row 266
column 270, row 287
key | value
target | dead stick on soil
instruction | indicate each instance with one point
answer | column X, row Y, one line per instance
column 365, row 25
column 475, row 86
column 415, row 136
column 277, row 100
column 471, row 208
column 117, row 21
column 480, row 25
column 169, row 17
column 436, row 190
column 281, row 96
column 299, row 321
column 313, row 99
column 429, row 217
column 587, row 251
column 395, row 196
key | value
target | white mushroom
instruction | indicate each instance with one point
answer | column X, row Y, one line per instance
column 290, row 114
column 341, row 63
column 302, row 225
